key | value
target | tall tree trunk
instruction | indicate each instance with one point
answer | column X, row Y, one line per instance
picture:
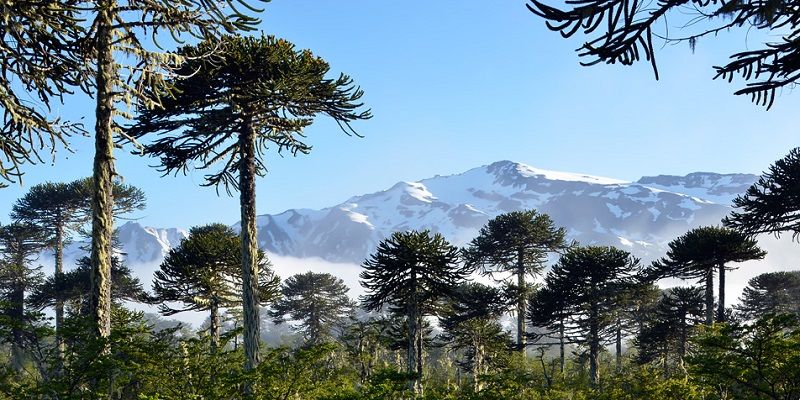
column 59, row 250
column 247, row 197
column 103, row 174
column 521, row 301
column 214, row 327
column 594, row 352
column 17, row 315
column 562, row 355
column 411, row 355
column 477, row 365
column 420, row 356
column 709, row 296
column 594, row 344
column 619, row 344
column 682, row 344
column 721, row 317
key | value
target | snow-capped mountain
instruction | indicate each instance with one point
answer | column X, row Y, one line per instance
column 138, row 244
column 639, row 216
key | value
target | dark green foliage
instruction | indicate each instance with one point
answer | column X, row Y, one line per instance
column 771, row 205
column 667, row 330
column 73, row 288
column 627, row 30
column 755, row 360
column 771, row 293
column 593, row 280
column 517, row 243
column 318, row 301
column 204, row 273
column 411, row 272
column 262, row 84
column 471, row 325
column 38, row 64
column 701, row 252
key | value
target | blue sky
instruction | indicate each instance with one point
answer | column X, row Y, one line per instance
column 458, row 84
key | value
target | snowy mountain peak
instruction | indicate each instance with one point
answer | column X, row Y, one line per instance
column 513, row 170
column 143, row 244
column 718, row 188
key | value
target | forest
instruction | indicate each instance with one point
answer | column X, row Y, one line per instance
column 521, row 312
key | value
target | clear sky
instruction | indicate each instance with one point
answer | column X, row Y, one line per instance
column 459, row 84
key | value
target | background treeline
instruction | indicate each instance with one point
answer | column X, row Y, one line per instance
column 595, row 325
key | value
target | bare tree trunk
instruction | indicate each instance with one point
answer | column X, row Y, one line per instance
column 594, row 350
column 619, row 345
column 562, row 355
column 214, row 326
column 420, row 355
column 247, row 197
column 521, row 302
column 17, row 314
column 721, row 317
column 411, row 355
column 59, row 250
column 709, row 296
column 103, row 174
column 682, row 345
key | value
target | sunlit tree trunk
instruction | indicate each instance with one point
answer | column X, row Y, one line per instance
column 721, row 317
column 59, row 250
column 247, row 188
column 214, row 325
column 594, row 348
column 102, row 199
column 521, row 301
column 709, row 296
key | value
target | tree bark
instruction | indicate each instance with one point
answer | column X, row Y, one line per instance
column 214, row 327
column 594, row 345
column 17, row 315
column 59, row 309
column 562, row 355
column 709, row 296
column 721, row 317
column 411, row 355
column 247, row 197
column 619, row 345
column 521, row 302
column 103, row 173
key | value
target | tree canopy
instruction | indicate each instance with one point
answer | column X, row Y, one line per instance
column 624, row 31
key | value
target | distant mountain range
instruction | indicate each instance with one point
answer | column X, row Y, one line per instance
column 639, row 216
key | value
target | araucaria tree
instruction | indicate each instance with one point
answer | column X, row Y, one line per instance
column 702, row 251
column 669, row 327
column 318, row 301
column 471, row 324
column 593, row 280
column 410, row 272
column 771, row 205
column 58, row 210
column 516, row 243
column 20, row 244
column 771, row 293
column 204, row 273
column 111, row 40
column 627, row 29
column 259, row 92
column 37, row 65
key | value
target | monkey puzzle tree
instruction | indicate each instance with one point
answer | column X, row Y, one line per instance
column 259, row 92
column 549, row 309
column 593, row 280
column 517, row 243
column 20, row 244
column 702, row 251
column 205, row 274
column 56, row 208
column 411, row 272
column 471, row 322
column 668, row 327
column 37, row 65
column 627, row 28
column 119, row 66
column 317, row 300
column 771, row 205
column 771, row 293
